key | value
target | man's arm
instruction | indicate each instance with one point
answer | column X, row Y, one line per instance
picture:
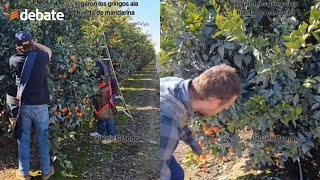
column 43, row 48
column 169, row 138
column 186, row 137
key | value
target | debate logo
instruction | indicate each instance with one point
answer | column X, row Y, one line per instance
column 39, row 16
column 33, row 16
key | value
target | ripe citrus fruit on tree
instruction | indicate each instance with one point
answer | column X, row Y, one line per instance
column 79, row 114
column 271, row 134
column 215, row 129
column 6, row 6
column 70, row 70
column 205, row 127
column 209, row 132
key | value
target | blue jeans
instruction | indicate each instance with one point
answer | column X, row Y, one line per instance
column 107, row 125
column 38, row 116
column 177, row 172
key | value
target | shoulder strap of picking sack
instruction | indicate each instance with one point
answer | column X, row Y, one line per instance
column 26, row 72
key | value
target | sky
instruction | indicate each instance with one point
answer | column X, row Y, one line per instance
column 147, row 11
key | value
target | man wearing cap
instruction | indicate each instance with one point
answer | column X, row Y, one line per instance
column 34, row 103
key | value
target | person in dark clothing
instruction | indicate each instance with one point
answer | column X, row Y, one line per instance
column 34, row 103
column 106, row 127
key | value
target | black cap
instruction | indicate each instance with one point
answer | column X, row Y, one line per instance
column 23, row 38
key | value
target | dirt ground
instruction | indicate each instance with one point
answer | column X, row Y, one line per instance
column 117, row 161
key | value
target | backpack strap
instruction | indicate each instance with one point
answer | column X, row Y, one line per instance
column 26, row 72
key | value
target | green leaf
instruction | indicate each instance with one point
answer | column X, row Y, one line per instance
column 262, row 122
column 68, row 164
column 295, row 99
column 205, row 57
column 261, row 41
column 248, row 59
column 256, row 53
column 197, row 25
column 195, row 16
column 303, row 27
column 85, row 73
column 291, row 74
column 294, row 122
column 288, row 52
column 317, row 98
column 217, row 34
column 221, row 51
column 305, row 148
column 244, row 49
column 316, row 105
column 214, row 149
column 231, row 127
column 287, row 38
column 204, row 11
column 298, row 111
column 213, row 46
column 315, row 35
column 285, row 120
column 290, row 44
column 310, row 28
column 314, row 15
column 192, row 27
column 238, row 60
column 191, row 6
column 229, row 45
column 177, row 72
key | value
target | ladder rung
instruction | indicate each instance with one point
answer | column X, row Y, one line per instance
column 104, row 46
column 118, row 97
column 106, row 59
column 121, row 108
